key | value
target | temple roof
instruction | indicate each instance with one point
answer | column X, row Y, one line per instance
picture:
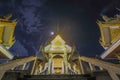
column 57, row 45
column 58, row 40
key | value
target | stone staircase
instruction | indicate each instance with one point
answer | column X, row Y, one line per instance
column 58, row 77
column 101, row 75
column 23, row 75
column 15, row 74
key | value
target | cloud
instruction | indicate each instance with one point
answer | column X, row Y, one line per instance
column 30, row 27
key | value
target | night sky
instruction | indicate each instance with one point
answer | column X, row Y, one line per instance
column 74, row 20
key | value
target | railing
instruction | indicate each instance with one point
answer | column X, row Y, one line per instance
column 5, row 52
column 15, row 63
column 112, row 69
column 44, row 71
column 71, row 71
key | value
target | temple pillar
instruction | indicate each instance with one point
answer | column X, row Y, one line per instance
column 32, row 67
column 101, row 68
column 50, row 64
column 23, row 66
column 92, row 67
column 63, row 68
column 35, row 72
column 65, row 63
column 53, row 71
column 81, row 67
column 41, row 67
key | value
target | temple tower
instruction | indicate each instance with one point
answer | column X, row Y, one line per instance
column 58, row 53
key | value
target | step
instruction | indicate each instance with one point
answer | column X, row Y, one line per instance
column 23, row 75
column 14, row 74
column 58, row 77
column 90, row 78
column 101, row 75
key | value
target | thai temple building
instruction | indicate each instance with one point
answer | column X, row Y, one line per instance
column 58, row 54
column 58, row 60
column 7, row 27
column 110, row 36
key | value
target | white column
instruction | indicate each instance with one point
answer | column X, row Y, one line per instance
column 53, row 68
column 81, row 67
column 50, row 64
column 101, row 68
column 23, row 67
column 66, row 63
column 63, row 68
column 40, row 68
column 33, row 66
column 78, row 64
column 92, row 67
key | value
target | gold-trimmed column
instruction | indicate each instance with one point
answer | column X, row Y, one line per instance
column 50, row 64
column 92, row 67
column 81, row 66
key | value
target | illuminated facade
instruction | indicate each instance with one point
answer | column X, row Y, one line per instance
column 110, row 36
column 58, row 54
column 7, row 39
column 7, row 27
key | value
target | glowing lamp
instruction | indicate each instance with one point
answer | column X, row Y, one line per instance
column 52, row 33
